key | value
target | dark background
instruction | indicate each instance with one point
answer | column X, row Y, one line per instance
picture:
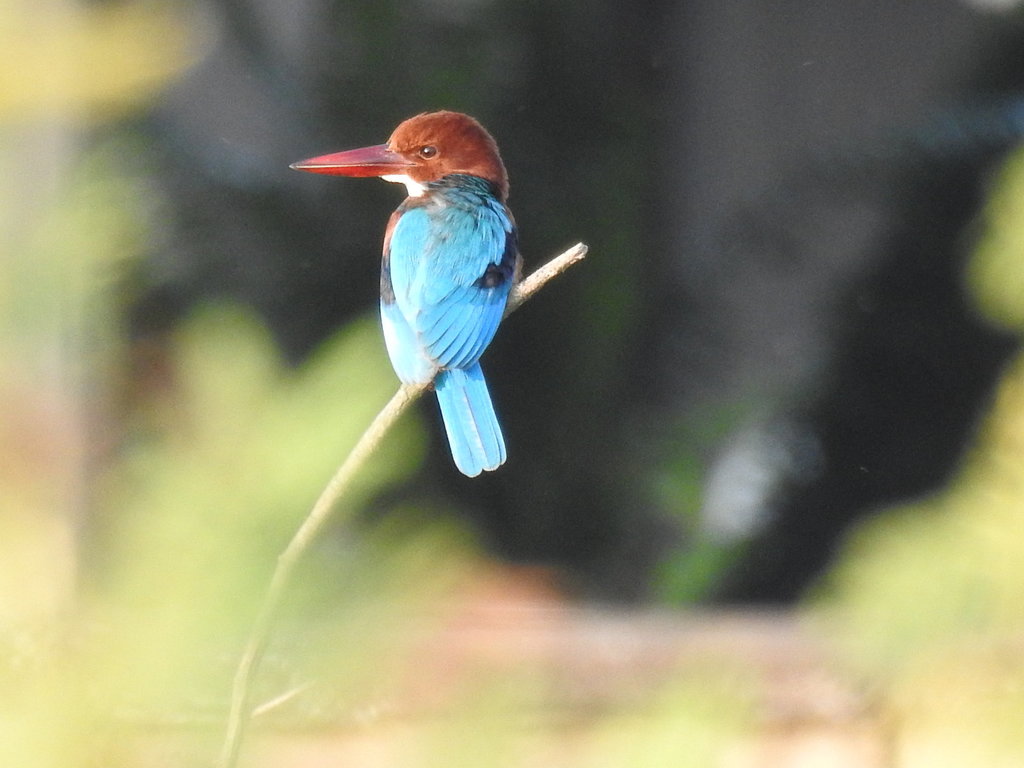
column 769, row 339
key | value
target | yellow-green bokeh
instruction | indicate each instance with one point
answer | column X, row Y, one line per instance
column 927, row 600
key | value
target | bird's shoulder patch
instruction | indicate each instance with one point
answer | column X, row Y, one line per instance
column 502, row 272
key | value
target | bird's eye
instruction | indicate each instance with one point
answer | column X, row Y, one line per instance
column 428, row 152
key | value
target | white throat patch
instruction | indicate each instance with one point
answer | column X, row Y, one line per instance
column 415, row 188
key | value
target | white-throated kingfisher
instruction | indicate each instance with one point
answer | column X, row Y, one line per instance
column 450, row 259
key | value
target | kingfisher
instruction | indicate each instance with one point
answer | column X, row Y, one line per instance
column 450, row 258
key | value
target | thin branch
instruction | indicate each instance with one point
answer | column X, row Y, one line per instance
column 248, row 665
column 525, row 289
column 283, row 698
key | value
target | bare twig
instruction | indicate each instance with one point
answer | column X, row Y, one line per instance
column 280, row 699
column 535, row 280
column 248, row 664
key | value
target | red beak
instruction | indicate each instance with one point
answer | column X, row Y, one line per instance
column 368, row 161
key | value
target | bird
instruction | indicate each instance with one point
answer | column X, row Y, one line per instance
column 450, row 259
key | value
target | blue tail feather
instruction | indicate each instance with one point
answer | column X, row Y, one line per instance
column 473, row 430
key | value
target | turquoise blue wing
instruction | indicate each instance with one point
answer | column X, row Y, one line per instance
column 451, row 269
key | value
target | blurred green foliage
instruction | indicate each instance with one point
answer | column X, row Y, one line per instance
column 190, row 494
column 146, row 493
column 996, row 273
column 136, row 541
column 928, row 600
column 693, row 722
column 680, row 484
column 67, row 60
